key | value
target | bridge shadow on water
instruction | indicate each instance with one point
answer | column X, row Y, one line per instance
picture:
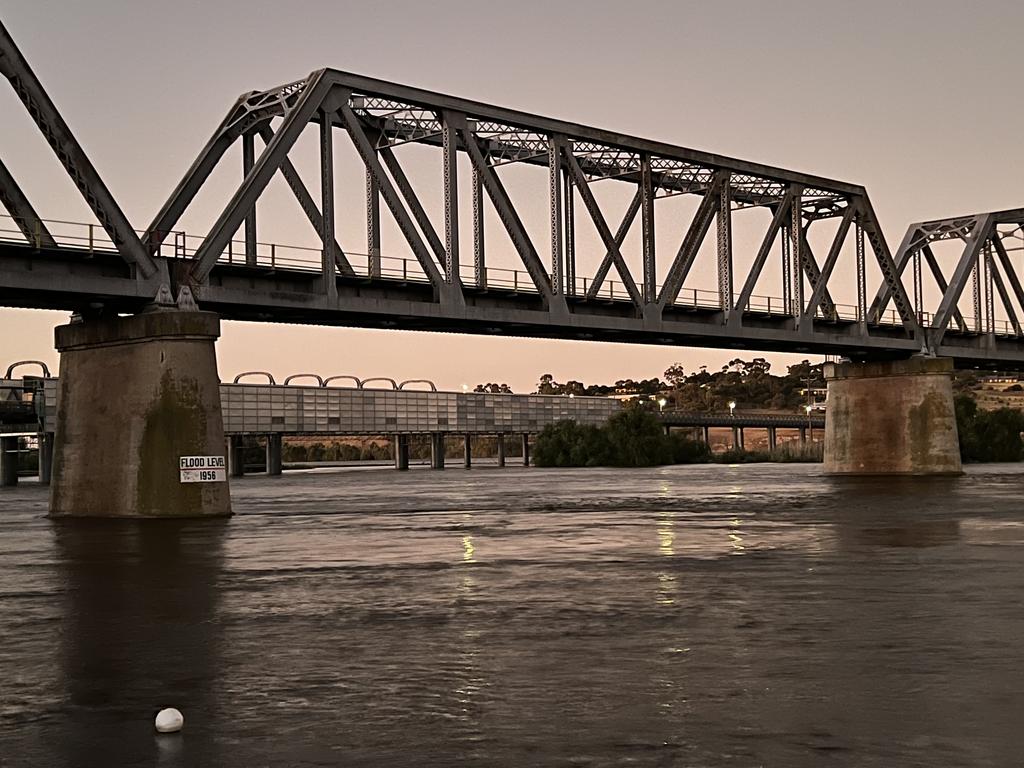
column 139, row 634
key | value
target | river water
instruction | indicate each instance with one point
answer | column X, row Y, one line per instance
column 686, row 616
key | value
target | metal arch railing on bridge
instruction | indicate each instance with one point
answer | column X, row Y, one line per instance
column 356, row 379
column 270, row 377
column 392, row 382
column 14, row 366
column 289, row 379
column 428, row 382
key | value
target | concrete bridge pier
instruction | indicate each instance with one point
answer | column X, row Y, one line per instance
column 773, row 438
column 501, row 450
column 401, row 446
column 236, row 456
column 45, row 440
column 892, row 417
column 274, row 457
column 139, row 394
column 526, row 450
column 437, row 450
column 8, row 461
column 467, row 451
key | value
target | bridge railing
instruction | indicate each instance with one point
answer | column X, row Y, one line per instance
column 92, row 238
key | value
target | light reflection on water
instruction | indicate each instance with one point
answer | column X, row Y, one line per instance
column 523, row 617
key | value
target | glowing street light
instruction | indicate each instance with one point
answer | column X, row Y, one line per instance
column 732, row 407
column 661, row 403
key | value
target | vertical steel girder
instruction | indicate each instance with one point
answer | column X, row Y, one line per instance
column 724, row 248
column 580, row 182
column 25, row 216
column 797, row 240
column 861, row 267
column 450, row 144
column 372, row 227
column 327, row 235
column 71, row 155
column 506, row 212
column 647, row 230
column 620, row 237
column 694, row 236
column 479, row 265
column 248, row 160
column 555, row 216
column 570, row 234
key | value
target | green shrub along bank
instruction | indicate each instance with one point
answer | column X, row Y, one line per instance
column 635, row 438
column 632, row 438
column 988, row 435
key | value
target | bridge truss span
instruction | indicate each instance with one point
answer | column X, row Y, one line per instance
column 821, row 236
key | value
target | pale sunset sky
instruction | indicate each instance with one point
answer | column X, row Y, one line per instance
column 919, row 101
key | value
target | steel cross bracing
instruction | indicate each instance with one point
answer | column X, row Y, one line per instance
column 551, row 296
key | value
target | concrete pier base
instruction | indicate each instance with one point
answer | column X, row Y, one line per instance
column 467, row 451
column 137, row 394
column 437, row 450
column 891, row 418
column 401, row 446
column 274, row 451
column 8, row 461
column 501, row 450
column 236, row 456
column 526, row 450
column 45, row 457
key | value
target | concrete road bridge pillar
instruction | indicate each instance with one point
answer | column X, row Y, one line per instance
column 467, row 451
column 138, row 395
column 437, row 450
column 893, row 417
column 8, row 461
column 401, row 448
column 501, row 450
column 526, row 450
column 274, row 450
column 45, row 457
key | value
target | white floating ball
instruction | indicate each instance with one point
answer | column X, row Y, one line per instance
column 169, row 720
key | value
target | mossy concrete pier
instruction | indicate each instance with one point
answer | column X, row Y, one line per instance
column 891, row 417
column 137, row 394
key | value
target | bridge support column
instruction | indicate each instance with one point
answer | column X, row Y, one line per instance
column 236, row 456
column 501, row 450
column 526, row 450
column 137, row 394
column 893, row 417
column 45, row 457
column 467, row 451
column 8, row 461
column 274, row 458
column 736, row 440
column 773, row 438
column 437, row 450
column 401, row 447
column 707, row 435
column 803, row 436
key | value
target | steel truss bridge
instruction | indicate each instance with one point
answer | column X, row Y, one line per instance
column 448, row 285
